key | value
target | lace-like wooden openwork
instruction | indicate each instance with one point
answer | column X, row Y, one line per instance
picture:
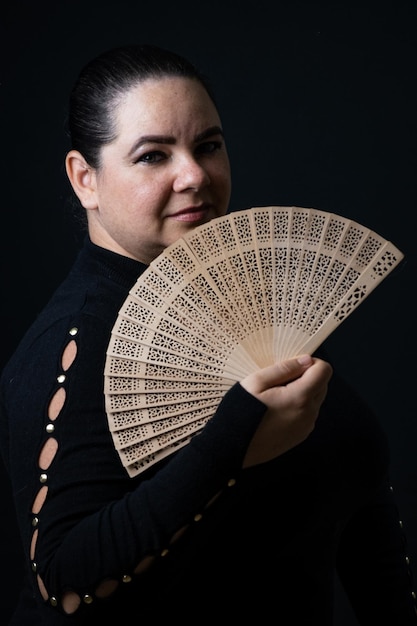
column 238, row 293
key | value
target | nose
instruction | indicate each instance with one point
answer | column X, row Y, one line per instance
column 190, row 174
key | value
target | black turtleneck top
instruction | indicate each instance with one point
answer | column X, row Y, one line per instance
column 194, row 537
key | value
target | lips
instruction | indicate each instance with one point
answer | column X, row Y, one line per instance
column 192, row 214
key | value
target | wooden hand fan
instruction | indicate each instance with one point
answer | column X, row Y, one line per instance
column 232, row 296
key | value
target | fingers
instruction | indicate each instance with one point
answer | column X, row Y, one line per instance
column 313, row 381
column 293, row 391
column 277, row 374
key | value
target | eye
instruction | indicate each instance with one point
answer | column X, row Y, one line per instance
column 209, row 147
column 151, row 157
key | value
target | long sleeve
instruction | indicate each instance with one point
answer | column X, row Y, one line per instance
column 195, row 525
column 373, row 564
column 77, row 524
column 112, row 540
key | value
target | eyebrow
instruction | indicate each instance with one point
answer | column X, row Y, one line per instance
column 167, row 139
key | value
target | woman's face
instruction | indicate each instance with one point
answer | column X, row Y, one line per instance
column 166, row 172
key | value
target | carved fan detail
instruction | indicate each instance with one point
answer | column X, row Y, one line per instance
column 233, row 295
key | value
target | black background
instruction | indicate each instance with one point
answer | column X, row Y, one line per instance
column 319, row 107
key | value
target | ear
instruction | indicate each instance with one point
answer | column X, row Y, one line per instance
column 82, row 178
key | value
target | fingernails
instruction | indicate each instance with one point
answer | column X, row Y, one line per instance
column 305, row 359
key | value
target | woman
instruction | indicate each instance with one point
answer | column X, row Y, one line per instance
column 285, row 485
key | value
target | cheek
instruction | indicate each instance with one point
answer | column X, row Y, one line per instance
column 140, row 204
column 149, row 196
column 222, row 179
column 224, row 172
column 138, row 195
column 114, row 191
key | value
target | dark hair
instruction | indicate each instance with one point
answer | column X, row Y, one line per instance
column 103, row 82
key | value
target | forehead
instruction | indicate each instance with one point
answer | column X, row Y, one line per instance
column 166, row 101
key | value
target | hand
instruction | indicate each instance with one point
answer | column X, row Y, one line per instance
column 293, row 391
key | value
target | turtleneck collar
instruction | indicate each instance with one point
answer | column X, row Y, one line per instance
column 111, row 265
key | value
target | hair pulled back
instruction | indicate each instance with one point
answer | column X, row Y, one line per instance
column 104, row 81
